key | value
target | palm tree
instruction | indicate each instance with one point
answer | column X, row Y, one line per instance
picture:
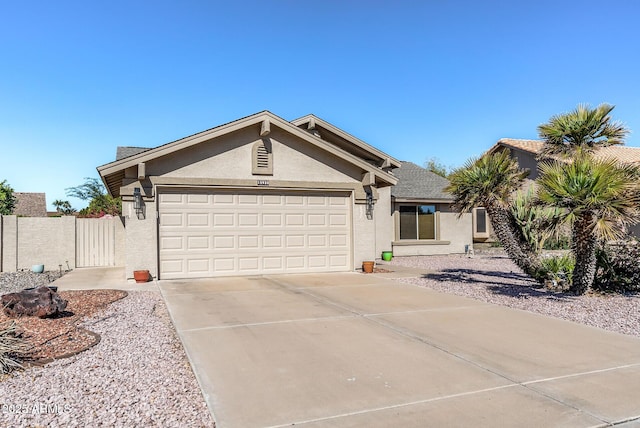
column 598, row 199
column 490, row 182
column 583, row 129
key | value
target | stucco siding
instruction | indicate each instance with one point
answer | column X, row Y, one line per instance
column 453, row 236
column 141, row 240
column 364, row 236
column 230, row 157
column 383, row 216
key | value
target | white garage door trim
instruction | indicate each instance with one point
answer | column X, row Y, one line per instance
column 208, row 233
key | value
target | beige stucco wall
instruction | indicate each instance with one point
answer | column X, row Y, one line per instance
column 51, row 241
column 8, row 243
column 227, row 163
column 229, row 157
column 141, row 239
column 27, row 241
column 383, row 216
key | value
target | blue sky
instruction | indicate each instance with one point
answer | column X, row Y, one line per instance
column 417, row 79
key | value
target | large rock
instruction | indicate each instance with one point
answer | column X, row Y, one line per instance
column 40, row 302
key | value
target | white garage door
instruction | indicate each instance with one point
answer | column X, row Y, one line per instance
column 204, row 234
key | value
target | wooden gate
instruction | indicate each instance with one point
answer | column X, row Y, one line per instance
column 95, row 242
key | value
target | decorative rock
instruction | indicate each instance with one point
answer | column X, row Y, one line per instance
column 41, row 302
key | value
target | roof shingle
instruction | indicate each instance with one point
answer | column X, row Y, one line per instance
column 415, row 182
column 623, row 154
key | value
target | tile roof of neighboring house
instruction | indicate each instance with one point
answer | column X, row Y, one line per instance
column 415, row 182
column 30, row 204
column 125, row 152
column 624, row 154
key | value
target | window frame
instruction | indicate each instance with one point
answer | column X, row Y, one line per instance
column 415, row 206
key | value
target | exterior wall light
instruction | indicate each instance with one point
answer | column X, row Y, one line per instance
column 137, row 201
column 370, row 205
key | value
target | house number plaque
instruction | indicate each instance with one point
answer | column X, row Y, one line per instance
column 263, row 182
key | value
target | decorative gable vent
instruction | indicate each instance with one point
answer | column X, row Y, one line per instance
column 262, row 159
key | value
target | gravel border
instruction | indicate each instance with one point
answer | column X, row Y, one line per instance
column 138, row 375
column 12, row 282
column 494, row 278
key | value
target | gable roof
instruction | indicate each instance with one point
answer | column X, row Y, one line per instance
column 336, row 136
column 112, row 173
column 30, row 204
column 623, row 154
column 125, row 152
column 415, row 182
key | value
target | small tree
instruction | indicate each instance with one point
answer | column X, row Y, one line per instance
column 7, row 198
column 63, row 207
column 100, row 203
column 437, row 167
column 490, row 182
column 597, row 198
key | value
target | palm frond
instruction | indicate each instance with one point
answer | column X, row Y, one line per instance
column 583, row 129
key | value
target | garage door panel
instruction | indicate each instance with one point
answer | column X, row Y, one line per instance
column 224, row 243
column 196, row 198
column 198, row 243
column 272, row 263
column 172, row 220
column 295, row 241
column 221, row 220
column 224, row 265
column 198, row 265
column 171, row 243
column 248, row 242
column 223, row 233
column 272, row 241
column 317, row 241
column 248, row 220
column 198, row 220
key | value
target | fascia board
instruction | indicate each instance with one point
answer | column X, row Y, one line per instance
column 354, row 140
column 218, row 131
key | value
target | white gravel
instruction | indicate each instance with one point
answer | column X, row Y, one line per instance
column 495, row 279
column 138, row 375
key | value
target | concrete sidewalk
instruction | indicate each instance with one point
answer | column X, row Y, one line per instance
column 97, row 278
column 351, row 350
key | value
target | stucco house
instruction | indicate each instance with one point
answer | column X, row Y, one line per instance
column 424, row 222
column 264, row 195
column 527, row 152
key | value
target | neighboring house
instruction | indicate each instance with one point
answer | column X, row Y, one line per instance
column 259, row 195
column 424, row 222
column 30, row 204
column 526, row 153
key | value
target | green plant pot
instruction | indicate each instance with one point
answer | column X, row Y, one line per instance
column 387, row 256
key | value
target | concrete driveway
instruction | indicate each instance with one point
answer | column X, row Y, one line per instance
column 353, row 350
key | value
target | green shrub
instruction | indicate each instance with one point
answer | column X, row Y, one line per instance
column 558, row 270
column 617, row 267
column 12, row 348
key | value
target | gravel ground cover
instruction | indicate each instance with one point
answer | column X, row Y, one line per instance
column 11, row 282
column 138, row 375
column 494, row 278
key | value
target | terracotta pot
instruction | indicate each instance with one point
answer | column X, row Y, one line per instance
column 367, row 267
column 141, row 275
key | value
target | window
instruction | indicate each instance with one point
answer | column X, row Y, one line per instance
column 418, row 222
column 481, row 220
